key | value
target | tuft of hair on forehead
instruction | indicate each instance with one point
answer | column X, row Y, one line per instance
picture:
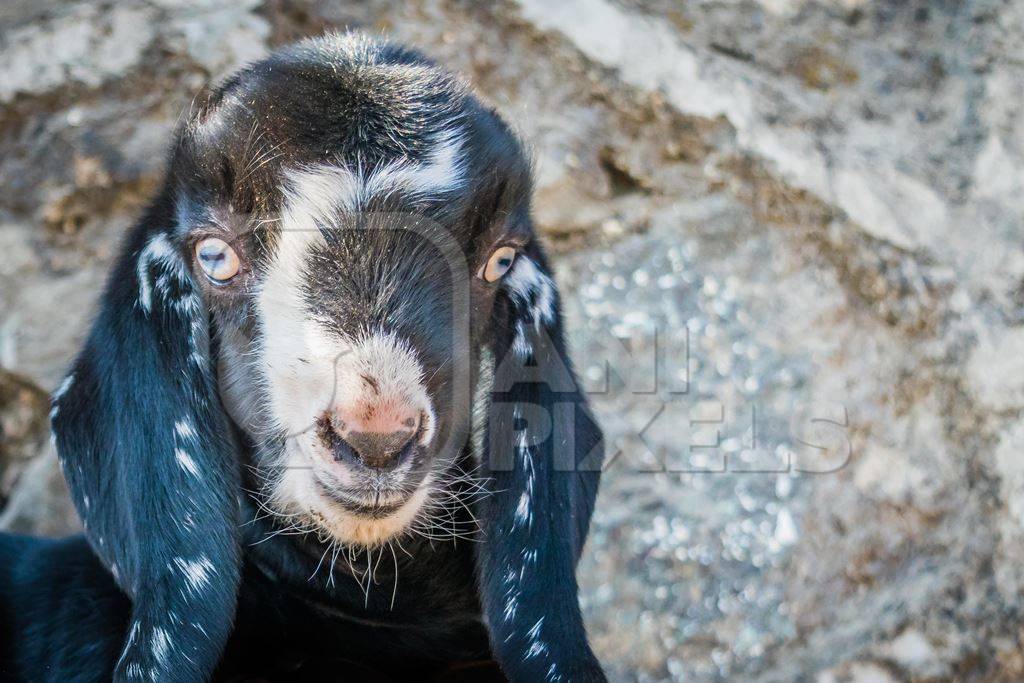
column 345, row 99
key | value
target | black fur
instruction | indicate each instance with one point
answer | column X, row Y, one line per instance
column 147, row 389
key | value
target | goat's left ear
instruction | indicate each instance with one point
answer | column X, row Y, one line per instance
column 543, row 453
column 147, row 454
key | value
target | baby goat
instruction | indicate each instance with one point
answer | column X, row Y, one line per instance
column 330, row 351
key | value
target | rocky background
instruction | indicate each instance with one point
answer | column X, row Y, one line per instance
column 805, row 214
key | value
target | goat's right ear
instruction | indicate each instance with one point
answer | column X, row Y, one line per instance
column 146, row 451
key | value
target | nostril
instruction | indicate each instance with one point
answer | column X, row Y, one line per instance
column 380, row 450
column 327, row 431
column 342, row 451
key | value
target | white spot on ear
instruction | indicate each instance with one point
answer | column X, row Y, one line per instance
column 158, row 251
column 512, row 594
column 188, row 304
column 185, row 430
column 129, row 641
column 186, row 462
column 161, row 645
column 532, row 290
column 537, row 646
column 529, row 557
column 523, row 516
column 525, row 455
column 511, row 606
column 197, row 572
column 520, row 346
column 63, row 388
column 59, row 394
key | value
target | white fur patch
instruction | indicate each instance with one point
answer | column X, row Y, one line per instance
column 129, row 641
column 520, row 346
column 512, row 593
column 63, row 389
column 317, row 193
column 511, row 606
column 526, row 279
column 537, row 646
column 161, row 645
column 184, row 429
column 297, row 354
column 196, row 572
column 188, row 305
column 442, row 172
column 534, row 292
column 524, row 513
column 523, row 516
column 186, row 462
column 313, row 196
column 158, row 250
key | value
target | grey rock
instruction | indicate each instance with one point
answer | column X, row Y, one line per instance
column 23, row 427
column 806, row 214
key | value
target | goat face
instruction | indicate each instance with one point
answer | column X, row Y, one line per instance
column 351, row 229
column 337, row 286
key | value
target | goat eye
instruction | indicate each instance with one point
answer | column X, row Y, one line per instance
column 217, row 259
column 498, row 264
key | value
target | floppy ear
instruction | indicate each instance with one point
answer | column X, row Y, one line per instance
column 543, row 452
column 144, row 446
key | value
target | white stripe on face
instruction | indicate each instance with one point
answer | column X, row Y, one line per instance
column 308, row 368
column 315, row 195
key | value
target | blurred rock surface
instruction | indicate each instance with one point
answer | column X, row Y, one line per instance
column 813, row 209
column 23, row 427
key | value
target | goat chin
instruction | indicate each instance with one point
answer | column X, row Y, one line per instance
column 298, row 497
column 354, row 529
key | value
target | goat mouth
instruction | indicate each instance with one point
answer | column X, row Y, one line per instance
column 371, row 504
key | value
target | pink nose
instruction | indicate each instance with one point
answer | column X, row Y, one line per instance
column 377, row 434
